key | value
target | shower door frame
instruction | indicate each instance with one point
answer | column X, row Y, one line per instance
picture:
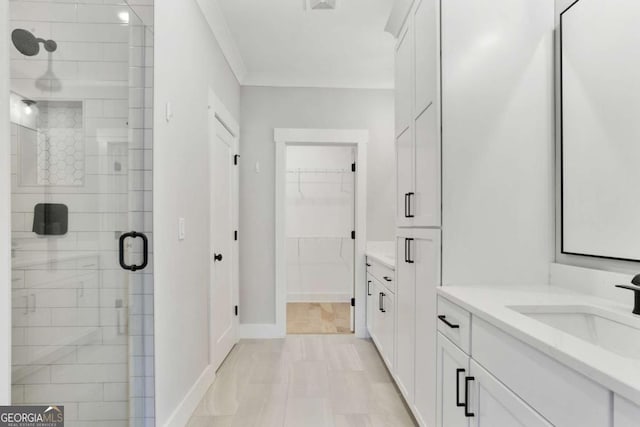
column 284, row 137
column 5, row 213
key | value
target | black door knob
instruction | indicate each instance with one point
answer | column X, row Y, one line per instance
column 217, row 257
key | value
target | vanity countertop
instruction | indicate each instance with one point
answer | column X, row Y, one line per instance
column 383, row 252
column 617, row 373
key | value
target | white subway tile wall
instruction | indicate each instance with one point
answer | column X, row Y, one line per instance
column 82, row 326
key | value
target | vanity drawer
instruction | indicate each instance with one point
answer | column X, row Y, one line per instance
column 454, row 322
column 382, row 273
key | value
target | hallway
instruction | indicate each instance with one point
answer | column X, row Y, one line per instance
column 303, row 380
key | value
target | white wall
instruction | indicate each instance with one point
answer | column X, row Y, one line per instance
column 187, row 62
column 266, row 108
column 5, row 214
column 497, row 142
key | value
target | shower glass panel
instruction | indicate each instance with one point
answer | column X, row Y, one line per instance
column 81, row 146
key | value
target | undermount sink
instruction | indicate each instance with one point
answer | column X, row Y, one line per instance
column 615, row 332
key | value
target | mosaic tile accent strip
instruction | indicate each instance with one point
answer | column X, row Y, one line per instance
column 61, row 159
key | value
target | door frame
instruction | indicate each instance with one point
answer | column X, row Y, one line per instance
column 218, row 112
column 359, row 138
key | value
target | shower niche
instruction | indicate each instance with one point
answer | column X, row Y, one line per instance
column 49, row 137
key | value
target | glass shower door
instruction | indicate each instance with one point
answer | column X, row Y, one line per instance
column 82, row 300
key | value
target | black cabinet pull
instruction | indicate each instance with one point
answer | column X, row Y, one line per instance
column 406, row 197
column 443, row 318
column 217, row 257
column 458, row 403
column 388, row 279
column 369, row 287
column 467, row 413
column 368, row 265
column 409, row 214
column 145, row 251
column 382, row 295
column 407, row 251
column 380, row 301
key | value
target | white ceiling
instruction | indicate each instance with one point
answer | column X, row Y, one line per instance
column 283, row 44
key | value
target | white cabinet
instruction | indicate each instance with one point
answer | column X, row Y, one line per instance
column 418, row 155
column 491, row 404
column 384, row 323
column 453, row 367
column 469, row 396
column 426, row 53
column 370, row 304
column 404, row 178
column 425, row 205
column 381, row 309
column 404, row 79
column 417, row 276
column 625, row 413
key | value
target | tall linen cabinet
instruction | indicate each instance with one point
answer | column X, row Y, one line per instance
column 418, row 207
column 474, row 161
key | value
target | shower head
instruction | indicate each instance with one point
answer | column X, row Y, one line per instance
column 29, row 45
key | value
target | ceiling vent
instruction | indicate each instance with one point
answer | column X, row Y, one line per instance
column 321, row 4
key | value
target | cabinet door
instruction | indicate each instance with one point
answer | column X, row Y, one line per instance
column 426, row 42
column 494, row 405
column 426, row 256
column 452, row 368
column 406, row 319
column 387, row 329
column 371, row 305
column 625, row 413
column 425, row 203
column 404, row 79
column 405, row 178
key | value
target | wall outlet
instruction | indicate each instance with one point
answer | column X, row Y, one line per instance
column 181, row 228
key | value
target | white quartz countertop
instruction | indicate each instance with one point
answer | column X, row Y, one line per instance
column 383, row 252
column 614, row 372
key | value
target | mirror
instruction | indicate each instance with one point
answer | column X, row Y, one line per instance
column 600, row 128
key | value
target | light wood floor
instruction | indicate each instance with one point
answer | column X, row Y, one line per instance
column 303, row 381
column 318, row 318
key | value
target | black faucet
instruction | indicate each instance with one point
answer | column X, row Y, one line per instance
column 636, row 290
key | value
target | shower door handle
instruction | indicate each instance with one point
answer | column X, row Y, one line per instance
column 145, row 251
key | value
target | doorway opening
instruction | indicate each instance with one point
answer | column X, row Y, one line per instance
column 320, row 230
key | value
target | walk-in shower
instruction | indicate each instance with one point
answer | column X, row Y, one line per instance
column 81, row 147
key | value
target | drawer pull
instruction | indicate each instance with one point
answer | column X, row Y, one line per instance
column 467, row 413
column 369, row 287
column 368, row 265
column 388, row 279
column 443, row 318
column 458, row 403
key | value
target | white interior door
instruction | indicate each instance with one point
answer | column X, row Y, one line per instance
column 223, row 299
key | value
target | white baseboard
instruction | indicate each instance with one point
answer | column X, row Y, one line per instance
column 180, row 417
column 260, row 331
column 318, row 297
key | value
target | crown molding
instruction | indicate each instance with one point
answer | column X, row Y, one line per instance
column 215, row 18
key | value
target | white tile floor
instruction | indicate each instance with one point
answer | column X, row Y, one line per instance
column 303, row 381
